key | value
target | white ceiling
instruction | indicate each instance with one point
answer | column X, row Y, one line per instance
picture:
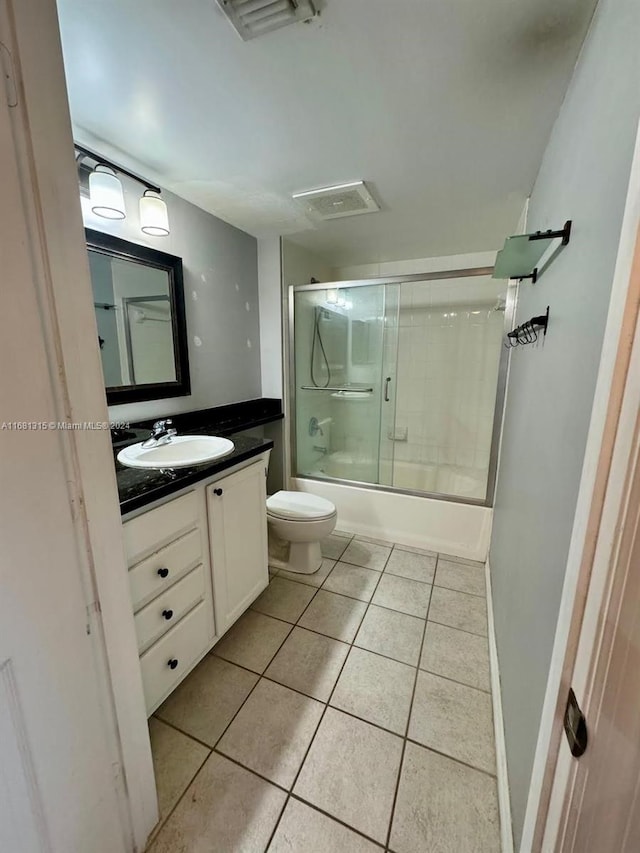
column 444, row 107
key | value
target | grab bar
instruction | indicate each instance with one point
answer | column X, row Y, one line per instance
column 336, row 388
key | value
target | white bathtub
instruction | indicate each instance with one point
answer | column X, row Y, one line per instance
column 437, row 525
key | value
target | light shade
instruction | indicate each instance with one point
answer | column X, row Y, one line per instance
column 154, row 219
column 105, row 194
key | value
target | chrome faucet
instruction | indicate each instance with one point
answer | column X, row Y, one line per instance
column 161, row 433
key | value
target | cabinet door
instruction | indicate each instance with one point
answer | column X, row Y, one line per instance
column 238, row 533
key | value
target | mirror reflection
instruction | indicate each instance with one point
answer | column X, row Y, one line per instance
column 139, row 309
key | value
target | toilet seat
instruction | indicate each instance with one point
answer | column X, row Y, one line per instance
column 299, row 506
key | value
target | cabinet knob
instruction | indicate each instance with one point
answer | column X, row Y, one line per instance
column 168, row 614
column 163, row 572
column 217, row 492
column 173, row 663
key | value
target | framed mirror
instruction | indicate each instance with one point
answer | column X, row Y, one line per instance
column 138, row 294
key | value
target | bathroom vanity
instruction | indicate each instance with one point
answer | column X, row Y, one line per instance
column 196, row 562
column 196, row 549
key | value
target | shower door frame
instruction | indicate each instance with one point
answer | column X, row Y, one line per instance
column 503, row 369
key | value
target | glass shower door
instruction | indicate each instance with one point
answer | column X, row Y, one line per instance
column 343, row 356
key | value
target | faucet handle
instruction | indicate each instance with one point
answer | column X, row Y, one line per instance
column 162, row 425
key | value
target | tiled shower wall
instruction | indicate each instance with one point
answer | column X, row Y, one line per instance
column 448, row 359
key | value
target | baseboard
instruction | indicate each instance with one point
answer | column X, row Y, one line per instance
column 504, row 801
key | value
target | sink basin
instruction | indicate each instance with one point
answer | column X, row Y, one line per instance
column 181, row 451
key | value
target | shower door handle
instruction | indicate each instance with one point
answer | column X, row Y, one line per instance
column 386, row 389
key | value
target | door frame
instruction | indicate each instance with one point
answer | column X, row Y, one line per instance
column 41, row 125
column 590, row 568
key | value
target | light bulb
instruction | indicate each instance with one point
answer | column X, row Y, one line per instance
column 332, row 297
column 105, row 194
column 154, row 218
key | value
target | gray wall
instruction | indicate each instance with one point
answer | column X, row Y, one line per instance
column 221, row 296
column 584, row 177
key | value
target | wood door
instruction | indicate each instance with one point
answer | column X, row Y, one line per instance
column 238, row 530
column 603, row 811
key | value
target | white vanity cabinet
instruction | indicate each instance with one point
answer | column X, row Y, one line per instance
column 238, row 534
column 195, row 563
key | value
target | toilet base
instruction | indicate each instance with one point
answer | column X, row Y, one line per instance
column 304, row 558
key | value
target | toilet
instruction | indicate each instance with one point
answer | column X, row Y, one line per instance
column 297, row 522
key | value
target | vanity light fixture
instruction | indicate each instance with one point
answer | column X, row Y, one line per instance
column 107, row 197
column 154, row 219
column 105, row 193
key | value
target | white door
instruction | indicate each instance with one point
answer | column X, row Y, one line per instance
column 58, row 788
column 238, row 530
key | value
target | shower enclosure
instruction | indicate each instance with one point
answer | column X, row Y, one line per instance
column 395, row 383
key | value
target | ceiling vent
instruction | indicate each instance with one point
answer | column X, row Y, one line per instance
column 252, row 18
column 342, row 200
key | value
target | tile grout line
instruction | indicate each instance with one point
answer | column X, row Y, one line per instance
column 406, row 730
column 322, row 716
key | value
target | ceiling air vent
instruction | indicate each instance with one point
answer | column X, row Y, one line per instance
column 342, row 200
column 252, row 18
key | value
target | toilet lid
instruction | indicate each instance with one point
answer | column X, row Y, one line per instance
column 299, row 505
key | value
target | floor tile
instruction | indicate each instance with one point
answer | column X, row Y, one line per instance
column 461, row 577
column 309, row 662
column 413, row 550
column 457, row 655
column 315, row 579
column 462, row 560
column 367, row 554
column 375, row 689
column 353, row 581
column 305, row 830
column 458, row 610
column 401, row 594
column 226, row 808
column 406, row 564
column 253, row 640
column 334, row 546
column 207, row 700
column 176, row 760
column 351, row 772
column 443, row 805
column 284, row 599
column 390, row 633
column 334, row 615
column 272, row 731
column 454, row 719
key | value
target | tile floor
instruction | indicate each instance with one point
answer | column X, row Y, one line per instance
column 345, row 712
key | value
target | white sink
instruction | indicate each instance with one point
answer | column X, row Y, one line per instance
column 181, row 451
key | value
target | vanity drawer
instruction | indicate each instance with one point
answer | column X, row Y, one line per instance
column 143, row 534
column 161, row 570
column 182, row 645
column 167, row 609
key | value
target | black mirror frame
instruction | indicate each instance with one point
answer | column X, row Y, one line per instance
column 181, row 386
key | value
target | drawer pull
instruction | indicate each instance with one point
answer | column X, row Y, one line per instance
column 217, row 492
column 168, row 614
column 163, row 572
column 173, row 663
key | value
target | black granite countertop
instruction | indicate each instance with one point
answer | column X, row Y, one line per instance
column 138, row 487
